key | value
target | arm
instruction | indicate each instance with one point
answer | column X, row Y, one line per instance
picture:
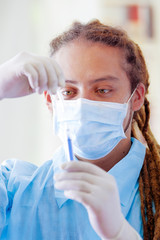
column 97, row 191
column 5, row 201
column 27, row 73
column 126, row 232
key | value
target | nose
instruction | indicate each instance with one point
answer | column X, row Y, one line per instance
column 86, row 93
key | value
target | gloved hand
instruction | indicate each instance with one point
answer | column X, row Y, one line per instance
column 27, row 73
column 97, row 191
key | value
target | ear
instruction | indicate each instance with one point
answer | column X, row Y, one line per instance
column 48, row 100
column 138, row 97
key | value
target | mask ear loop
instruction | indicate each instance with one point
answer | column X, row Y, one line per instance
column 127, row 106
column 69, row 147
column 132, row 94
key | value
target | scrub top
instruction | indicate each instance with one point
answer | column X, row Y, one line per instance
column 31, row 208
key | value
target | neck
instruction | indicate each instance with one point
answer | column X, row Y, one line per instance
column 108, row 161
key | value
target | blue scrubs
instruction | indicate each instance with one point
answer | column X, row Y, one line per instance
column 30, row 207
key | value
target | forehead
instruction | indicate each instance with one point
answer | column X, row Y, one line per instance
column 88, row 60
column 88, row 50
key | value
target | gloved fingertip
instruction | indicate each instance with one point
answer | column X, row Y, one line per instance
column 56, row 176
column 64, row 166
column 35, row 84
column 33, row 81
column 62, row 82
column 53, row 91
column 37, row 89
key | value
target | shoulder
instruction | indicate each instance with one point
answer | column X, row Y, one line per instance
column 15, row 173
column 12, row 171
column 18, row 167
column 137, row 147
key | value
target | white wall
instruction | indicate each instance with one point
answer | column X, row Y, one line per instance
column 25, row 124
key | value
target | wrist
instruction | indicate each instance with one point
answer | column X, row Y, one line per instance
column 126, row 232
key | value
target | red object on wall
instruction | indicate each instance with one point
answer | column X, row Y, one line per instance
column 133, row 13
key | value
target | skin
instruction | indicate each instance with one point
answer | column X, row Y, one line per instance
column 94, row 71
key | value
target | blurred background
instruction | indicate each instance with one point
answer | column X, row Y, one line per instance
column 29, row 25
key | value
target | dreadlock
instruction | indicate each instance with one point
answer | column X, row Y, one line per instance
column 136, row 70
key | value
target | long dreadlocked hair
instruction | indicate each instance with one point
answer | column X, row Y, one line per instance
column 136, row 70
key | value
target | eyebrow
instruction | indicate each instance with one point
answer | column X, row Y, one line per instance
column 106, row 78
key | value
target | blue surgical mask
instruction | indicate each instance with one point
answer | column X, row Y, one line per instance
column 96, row 127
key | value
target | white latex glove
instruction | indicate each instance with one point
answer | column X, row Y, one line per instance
column 97, row 191
column 27, row 73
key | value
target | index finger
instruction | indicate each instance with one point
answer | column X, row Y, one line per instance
column 61, row 79
column 83, row 167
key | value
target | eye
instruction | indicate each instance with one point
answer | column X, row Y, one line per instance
column 67, row 93
column 102, row 91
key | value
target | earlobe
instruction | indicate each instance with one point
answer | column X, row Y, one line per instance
column 47, row 97
column 48, row 100
column 138, row 97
